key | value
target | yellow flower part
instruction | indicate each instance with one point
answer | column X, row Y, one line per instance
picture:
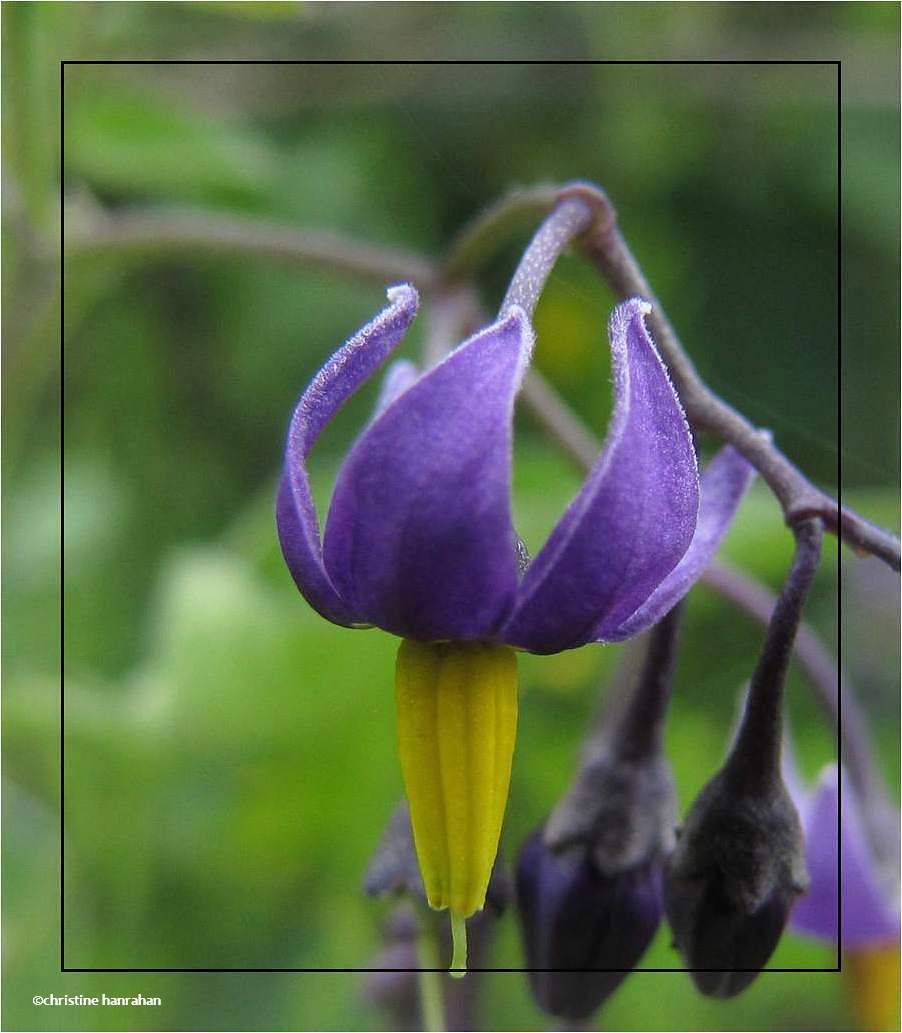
column 457, row 722
column 872, row 979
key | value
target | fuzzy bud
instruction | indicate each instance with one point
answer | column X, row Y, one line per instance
column 732, row 881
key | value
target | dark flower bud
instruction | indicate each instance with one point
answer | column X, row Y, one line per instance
column 575, row 918
column 589, row 884
column 734, row 876
column 739, row 865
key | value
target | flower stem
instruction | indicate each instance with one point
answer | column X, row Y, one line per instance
column 429, row 981
column 570, row 217
column 459, row 946
column 480, row 237
column 152, row 231
column 755, row 757
column 638, row 732
column 832, row 690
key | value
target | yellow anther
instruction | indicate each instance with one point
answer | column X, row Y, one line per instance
column 457, row 721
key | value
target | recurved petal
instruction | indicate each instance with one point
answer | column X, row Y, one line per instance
column 419, row 538
column 634, row 517
column 869, row 915
column 722, row 487
column 345, row 371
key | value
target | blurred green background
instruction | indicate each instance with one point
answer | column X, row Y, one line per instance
column 230, row 757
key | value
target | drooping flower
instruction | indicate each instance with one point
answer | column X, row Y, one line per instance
column 419, row 541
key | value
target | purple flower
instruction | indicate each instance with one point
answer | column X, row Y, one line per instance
column 870, row 905
column 420, row 541
column 419, row 538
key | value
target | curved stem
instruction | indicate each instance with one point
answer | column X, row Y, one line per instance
column 480, row 237
column 605, row 247
column 638, row 732
column 569, row 218
column 755, row 757
column 835, row 695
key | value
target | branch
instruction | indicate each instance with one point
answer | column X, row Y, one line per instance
column 90, row 231
column 559, row 420
column 604, row 245
column 799, row 498
column 518, row 208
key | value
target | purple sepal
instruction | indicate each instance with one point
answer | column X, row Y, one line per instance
column 419, row 538
column 338, row 379
column 634, row 518
column 722, row 487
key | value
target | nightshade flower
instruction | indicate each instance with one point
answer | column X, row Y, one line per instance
column 870, row 920
column 870, row 904
column 420, row 541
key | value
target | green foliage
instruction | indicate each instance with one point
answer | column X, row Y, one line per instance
column 229, row 757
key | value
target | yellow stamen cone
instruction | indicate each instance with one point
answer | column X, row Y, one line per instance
column 457, row 721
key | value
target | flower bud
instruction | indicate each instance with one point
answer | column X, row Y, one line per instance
column 589, row 885
column 739, row 864
column 732, row 881
column 575, row 918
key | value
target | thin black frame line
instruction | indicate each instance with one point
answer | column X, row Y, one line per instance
column 484, row 971
column 839, row 626
column 525, row 61
column 838, row 66
column 62, row 857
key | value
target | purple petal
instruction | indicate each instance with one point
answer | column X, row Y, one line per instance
column 398, row 378
column 868, row 915
column 722, row 486
column 419, row 537
column 296, row 519
column 634, row 517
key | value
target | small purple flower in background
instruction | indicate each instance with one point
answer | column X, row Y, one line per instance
column 583, row 930
column 870, row 903
column 870, row 894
